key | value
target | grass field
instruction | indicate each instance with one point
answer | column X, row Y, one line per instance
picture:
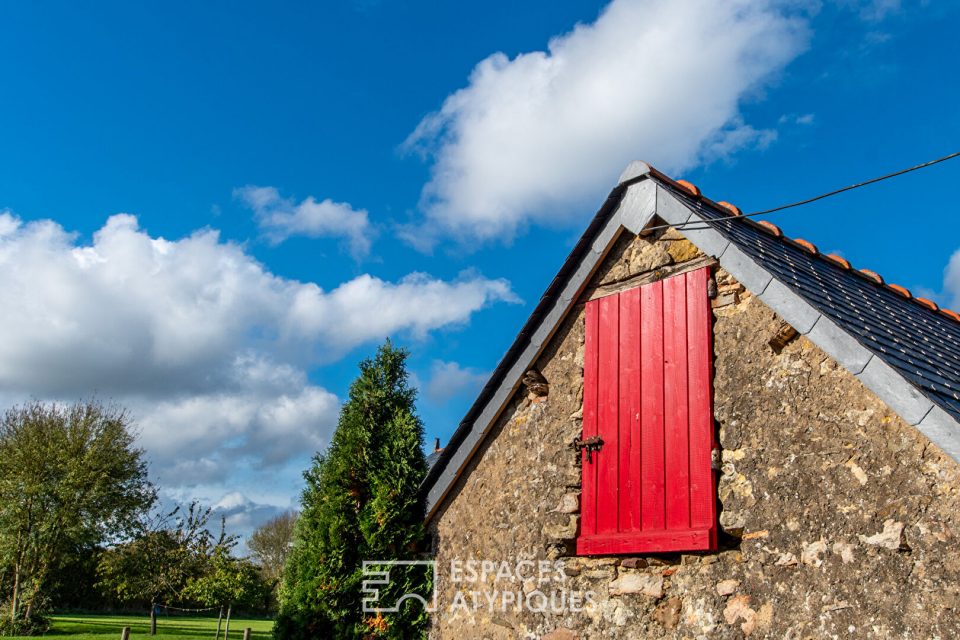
column 95, row 627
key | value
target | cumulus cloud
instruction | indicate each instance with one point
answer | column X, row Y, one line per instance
column 450, row 379
column 951, row 282
column 243, row 515
column 8, row 223
column 196, row 439
column 535, row 137
column 208, row 348
column 280, row 218
column 417, row 303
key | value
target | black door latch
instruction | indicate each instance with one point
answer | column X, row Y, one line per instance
column 591, row 444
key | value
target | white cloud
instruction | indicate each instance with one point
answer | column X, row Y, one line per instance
column 951, row 282
column 417, row 303
column 243, row 515
column 8, row 223
column 797, row 119
column 534, row 137
column 196, row 438
column 728, row 140
column 948, row 296
column 208, row 349
column 280, row 218
column 449, row 379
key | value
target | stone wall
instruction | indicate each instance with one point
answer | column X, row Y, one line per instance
column 837, row 519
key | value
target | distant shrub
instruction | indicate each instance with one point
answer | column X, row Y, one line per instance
column 38, row 622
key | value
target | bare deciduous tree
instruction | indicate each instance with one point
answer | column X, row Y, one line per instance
column 271, row 543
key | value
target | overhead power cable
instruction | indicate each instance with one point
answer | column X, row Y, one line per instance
column 706, row 222
column 171, row 607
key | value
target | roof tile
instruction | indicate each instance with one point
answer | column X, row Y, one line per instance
column 732, row 208
column 834, row 258
column 809, row 246
column 901, row 290
column 770, row 228
column 689, row 187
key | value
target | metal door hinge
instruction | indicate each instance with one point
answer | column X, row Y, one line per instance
column 711, row 288
column 715, row 459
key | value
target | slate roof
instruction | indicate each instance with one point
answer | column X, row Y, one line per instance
column 919, row 342
column 432, row 459
column 910, row 334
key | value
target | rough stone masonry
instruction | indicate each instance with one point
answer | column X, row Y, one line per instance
column 837, row 520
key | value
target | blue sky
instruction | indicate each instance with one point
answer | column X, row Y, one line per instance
column 326, row 174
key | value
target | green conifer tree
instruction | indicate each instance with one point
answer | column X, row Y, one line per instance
column 361, row 503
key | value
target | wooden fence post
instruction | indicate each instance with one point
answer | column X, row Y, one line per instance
column 226, row 632
column 246, row 634
column 125, row 634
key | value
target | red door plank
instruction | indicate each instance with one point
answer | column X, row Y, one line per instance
column 608, row 386
column 646, row 542
column 588, row 485
column 675, row 390
column 629, row 440
column 700, row 352
column 652, row 514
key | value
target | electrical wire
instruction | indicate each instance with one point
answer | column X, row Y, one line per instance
column 167, row 606
column 707, row 222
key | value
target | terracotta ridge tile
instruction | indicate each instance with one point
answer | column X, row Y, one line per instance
column 732, row 208
column 770, row 228
column 901, row 290
column 872, row 275
column 689, row 187
column 809, row 246
column 837, row 260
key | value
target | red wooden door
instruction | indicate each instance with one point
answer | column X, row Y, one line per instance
column 647, row 393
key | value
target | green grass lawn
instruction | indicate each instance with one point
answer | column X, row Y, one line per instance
column 96, row 627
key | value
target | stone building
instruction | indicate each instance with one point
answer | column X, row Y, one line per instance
column 706, row 430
